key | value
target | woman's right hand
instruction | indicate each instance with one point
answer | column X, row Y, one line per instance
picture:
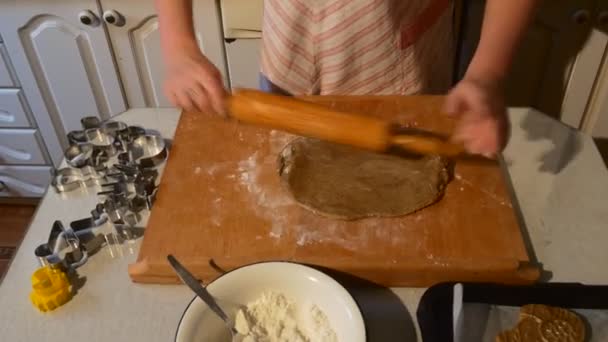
column 193, row 83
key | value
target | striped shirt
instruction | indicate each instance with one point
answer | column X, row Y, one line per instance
column 358, row 47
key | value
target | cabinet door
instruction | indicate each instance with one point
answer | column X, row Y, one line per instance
column 595, row 122
column 136, row 43
column 64, row 66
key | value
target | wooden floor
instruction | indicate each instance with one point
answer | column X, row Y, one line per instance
column 14, row 220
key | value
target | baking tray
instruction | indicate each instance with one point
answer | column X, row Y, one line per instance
column 477, row 312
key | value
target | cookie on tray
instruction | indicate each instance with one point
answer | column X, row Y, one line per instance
column 543, row 323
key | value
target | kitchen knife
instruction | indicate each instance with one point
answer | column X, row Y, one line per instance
column 188, row 279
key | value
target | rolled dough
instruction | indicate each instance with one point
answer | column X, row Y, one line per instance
column 348, row 183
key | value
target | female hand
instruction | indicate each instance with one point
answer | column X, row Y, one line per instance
column 484, row 126
column 193, row 83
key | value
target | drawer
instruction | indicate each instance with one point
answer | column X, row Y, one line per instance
column 12, row 111
column 5, row 75
column 20, row 146
column 24, row 181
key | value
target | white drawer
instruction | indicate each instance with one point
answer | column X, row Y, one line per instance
column 12, row 112
column 20, row 146
column 5, row 76
column 24, row 181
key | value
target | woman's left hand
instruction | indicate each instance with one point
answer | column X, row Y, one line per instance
column 483, row 126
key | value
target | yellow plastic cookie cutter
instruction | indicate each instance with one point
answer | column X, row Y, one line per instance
column 50, row 288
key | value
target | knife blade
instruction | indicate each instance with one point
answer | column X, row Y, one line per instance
column 188, row 279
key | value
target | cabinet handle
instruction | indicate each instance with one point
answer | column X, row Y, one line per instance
column 15, row 154
column 31, row 188
column 114, row 18
column 602, row 18
column 88, row 18
column 6, row 116
column 581, row 16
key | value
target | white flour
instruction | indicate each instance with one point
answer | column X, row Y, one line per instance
column 274, row 318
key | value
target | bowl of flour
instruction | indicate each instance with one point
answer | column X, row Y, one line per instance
column 275, row 302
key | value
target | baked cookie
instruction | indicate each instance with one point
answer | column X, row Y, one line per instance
column 557, row 324
column 526, row 330
column 543, row 323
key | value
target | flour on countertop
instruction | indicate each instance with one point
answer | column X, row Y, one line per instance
column 488, row 193
column 275, row 318
column 266, row 205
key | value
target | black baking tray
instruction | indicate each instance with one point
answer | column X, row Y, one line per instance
column 436, row 314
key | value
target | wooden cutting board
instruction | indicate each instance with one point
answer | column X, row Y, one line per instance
column 221, row 205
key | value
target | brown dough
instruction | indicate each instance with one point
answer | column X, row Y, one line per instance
column 343, row 182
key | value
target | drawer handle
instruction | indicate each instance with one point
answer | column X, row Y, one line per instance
column 5, row 181
column 15, row 154
column 6, row 116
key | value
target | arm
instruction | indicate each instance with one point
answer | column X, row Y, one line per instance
column 504, row 25
column 478, row 98
column 192, row 82
column 176, row 25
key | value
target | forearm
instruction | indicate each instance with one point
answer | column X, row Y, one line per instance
column 504, row 24
column 176, row 25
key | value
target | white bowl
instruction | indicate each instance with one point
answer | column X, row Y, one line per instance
column 297, row 282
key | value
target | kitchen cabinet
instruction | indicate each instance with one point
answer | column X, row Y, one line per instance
column 21, row 146
column 23, row 181
column 13, row 112
column 63, row 60
column 60, row 55
column 595, row 122
column 135, row 39
column 7, row 79
column 242, row 24
column 243, row 59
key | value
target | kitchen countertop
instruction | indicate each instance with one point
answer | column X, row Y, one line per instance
column 558, row 176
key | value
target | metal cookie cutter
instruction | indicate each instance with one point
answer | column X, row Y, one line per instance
column 130, row 133
column 68, row 179
column 81, row 155
column 136, row 184
column 87, row 122
column 110, row 126
column 145, row 190
column 113, row 127
column 119, row 210
column 63, row 248
column 101, row 141
column 90, row 122
column 148, row 151
column 78, row 155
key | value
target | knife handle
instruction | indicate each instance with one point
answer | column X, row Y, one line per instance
column 308, row 119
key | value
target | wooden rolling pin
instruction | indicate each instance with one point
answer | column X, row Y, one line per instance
column 317, row 121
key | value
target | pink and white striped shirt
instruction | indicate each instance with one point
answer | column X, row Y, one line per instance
column 358, row 47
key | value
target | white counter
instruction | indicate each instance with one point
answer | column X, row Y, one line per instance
column 559, row 179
